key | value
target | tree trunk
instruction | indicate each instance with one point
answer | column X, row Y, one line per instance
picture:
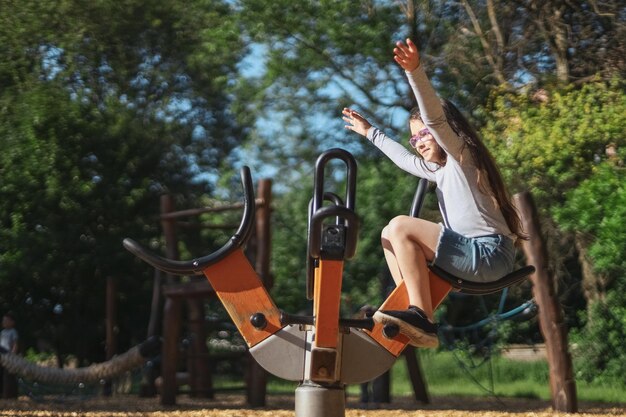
column 552, row 325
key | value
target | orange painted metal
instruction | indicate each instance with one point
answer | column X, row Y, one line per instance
column 242, row 293
column 399, row 300
column 439, row 290
column 326, row 301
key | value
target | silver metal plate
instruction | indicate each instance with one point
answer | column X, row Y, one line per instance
column 282, row 354
column 362, row 358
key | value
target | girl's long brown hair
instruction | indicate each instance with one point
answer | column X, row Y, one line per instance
column 489, row 178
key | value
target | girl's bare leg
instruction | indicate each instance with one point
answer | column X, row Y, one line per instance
column 390, row 257
column 409, row 243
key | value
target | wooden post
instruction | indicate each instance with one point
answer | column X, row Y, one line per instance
column 110, row 325
column 256, row 384
column 111, row 313
column 147, row 389
column 169, row 362
column 198, row 357
column 172, row 315
column 381, row 390
column 552, row 325
column 147, row 386
column 263, row 232
column 155, row 305
column 169, row 232
column 10, row 388
column 417, row 377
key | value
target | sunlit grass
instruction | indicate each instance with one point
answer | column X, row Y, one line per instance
column 450, row 374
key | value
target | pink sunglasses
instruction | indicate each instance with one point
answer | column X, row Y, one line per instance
column 421, row 136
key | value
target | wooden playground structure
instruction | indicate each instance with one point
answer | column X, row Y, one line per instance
column 184, row 306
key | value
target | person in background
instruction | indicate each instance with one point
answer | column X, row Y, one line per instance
column 8, row 343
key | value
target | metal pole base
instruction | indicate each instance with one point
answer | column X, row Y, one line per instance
column 314, row 400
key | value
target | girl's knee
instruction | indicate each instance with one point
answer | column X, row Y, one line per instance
column 397, row 227
column 403, row 229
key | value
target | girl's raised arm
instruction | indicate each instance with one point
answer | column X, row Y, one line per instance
column 431, row 110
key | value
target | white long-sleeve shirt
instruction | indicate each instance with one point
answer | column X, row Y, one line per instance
column 465, row 209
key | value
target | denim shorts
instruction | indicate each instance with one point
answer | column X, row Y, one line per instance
column 480, row 259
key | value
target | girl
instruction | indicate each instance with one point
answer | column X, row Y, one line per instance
column 476, row 240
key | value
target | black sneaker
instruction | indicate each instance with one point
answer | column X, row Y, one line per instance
column 413, row 323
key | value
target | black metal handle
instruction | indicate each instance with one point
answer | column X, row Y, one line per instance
column 419, row 197
column 314, row 232
column 196, row 266
column 320, row 165
column 342, row 211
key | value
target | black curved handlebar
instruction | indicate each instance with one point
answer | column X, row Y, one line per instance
column 320, row 165
column 196, row 266
column 419, row 197
column 343, row 212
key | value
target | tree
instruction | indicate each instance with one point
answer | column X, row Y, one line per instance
column 568, row 149
column 516, row 42
column 103, row 107
column 74, row 183
column 595, row 213
column 551, row 147
column 314, row 58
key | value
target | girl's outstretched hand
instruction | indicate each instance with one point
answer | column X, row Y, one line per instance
column 406, row 55
column 355, row 122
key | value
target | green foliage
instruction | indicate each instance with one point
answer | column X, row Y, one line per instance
column 550, row 148
column 311, row 59
column 102, row 108
column 597, row 208
column 75, row 183
column 600, row 345
column 309, row 65
column 289, row 247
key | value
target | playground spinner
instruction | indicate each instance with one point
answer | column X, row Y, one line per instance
column 324, row 352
